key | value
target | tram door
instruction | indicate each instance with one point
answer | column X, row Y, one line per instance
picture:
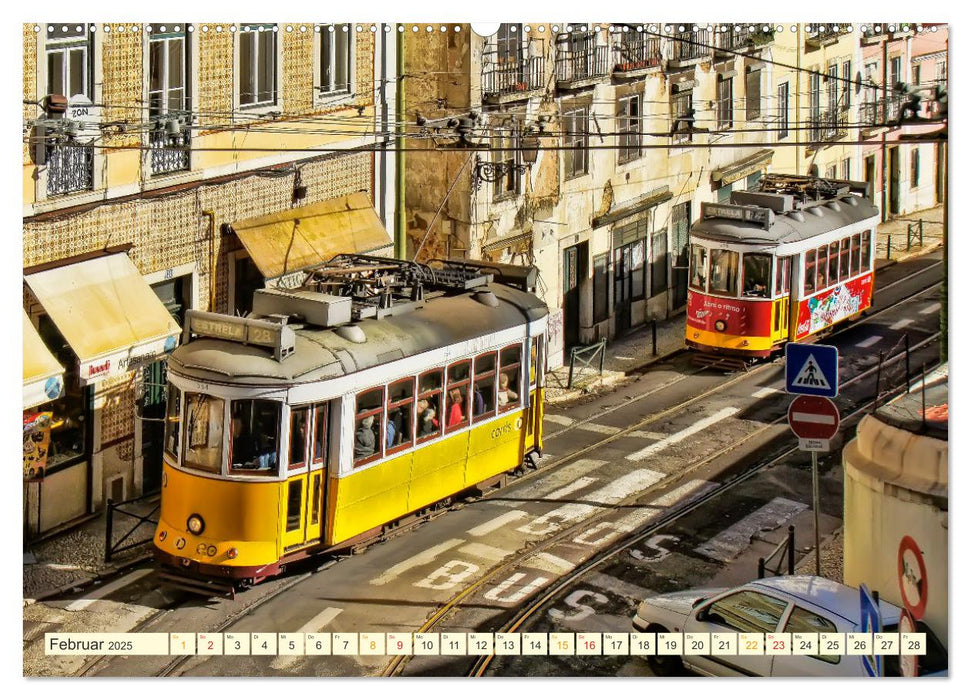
column 306, row 476
column 780, row 307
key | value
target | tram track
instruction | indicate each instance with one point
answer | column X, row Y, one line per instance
column 398, row 663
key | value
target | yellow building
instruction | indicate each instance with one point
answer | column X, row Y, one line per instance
column 147, row 148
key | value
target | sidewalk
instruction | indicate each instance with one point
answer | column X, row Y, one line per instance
column 900, row 249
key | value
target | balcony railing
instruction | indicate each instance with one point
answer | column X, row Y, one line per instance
column 637, row 53
column 823, row 35
column 831, row 125
column 506, row 79
column 690, row 46
column 880, row 112
column 734, row 38
column 169, row 153
column 70, row 168
column 582, row 65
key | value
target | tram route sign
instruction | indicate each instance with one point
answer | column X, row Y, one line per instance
column 812, row 370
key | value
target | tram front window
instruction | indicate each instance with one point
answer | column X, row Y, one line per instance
column 757, row 269
column 699, row 267
column 172, row 422
column 724, row 273
column 255, row 437
column 203, row 432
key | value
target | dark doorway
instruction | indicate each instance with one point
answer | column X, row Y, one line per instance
column 939, row 180
column 869, row 175
column 247, row 278
column 680, row 222
column 574, row 272
column 894, row 181
column 622, row 289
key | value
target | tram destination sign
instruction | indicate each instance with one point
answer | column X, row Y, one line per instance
column 756, row 215
column 812, row 370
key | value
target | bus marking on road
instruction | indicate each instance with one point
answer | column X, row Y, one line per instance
column 496, row 523
column 420, row 559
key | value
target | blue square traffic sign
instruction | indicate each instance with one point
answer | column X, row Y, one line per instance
column 812, row 370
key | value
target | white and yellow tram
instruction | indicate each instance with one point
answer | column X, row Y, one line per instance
column 375, row 390
column 784, row 262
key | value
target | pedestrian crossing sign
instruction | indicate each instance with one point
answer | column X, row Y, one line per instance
column 812, row 370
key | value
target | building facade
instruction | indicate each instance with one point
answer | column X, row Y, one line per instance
column 146, row 147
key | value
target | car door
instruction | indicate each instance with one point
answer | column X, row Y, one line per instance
column 739, row 610
column 825, row 664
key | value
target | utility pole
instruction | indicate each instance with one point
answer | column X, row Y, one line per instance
column 400, row 220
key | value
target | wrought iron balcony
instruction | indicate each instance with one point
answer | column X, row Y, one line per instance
column 636, row 54
column 70, row 167
column 169, row 153
column 689, row 47
column 821, row 35
column 830, row 125
column 581, row 67
column 881, row 112
column 733, row 39
column 506, row 79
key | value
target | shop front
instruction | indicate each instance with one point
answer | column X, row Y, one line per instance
column 100, row 322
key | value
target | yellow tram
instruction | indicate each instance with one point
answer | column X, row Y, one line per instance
column 373, row 391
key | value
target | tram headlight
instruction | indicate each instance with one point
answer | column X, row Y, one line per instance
column 720, row 326
column 232, row 553
column 195, row 524
column 162, row 535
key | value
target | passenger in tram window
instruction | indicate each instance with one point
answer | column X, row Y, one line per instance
column 364, row 439
column 455, row 414
column 390, row 432
column 478, row 403
column 244, row 443
column 506, row 395
column 429, row 424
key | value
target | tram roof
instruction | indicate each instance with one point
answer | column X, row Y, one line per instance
column 320, row 353
column 787, row 228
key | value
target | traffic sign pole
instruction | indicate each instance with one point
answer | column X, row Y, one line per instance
column 816, row 507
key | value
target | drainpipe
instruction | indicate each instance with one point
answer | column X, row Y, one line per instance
column 400, row 228
column 885, row 189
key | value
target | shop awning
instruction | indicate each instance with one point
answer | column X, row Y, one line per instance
column 506, row 242
column 298, row 238
column 107, row 313
column 630, row 207
column 742, row 168
column 43, row 374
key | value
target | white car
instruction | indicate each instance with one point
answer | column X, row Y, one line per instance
column 781, row 604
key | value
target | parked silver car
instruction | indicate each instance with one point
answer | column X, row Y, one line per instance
column 781, row 604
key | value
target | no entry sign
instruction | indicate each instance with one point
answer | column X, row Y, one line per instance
column 814, row 420
column 912, row 577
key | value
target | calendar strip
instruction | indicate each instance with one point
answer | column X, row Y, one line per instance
column 484, row 643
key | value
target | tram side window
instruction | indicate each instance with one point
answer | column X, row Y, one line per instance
column 844, row 259
column 368, row 425
column 428, row 413
column 299, row 423
column 699, row 267
column 401, row 404
column 809, row 285
column 782, row 272
column 865, row 248
column 203, row 432
column 756, row 270
column 172, row 423
column 457, row 396
column 255, row 437
column 834, row 261
column 533, row 360
column 509, row 385
column 855, row 255
column 821, row 267
column 320, row 433
column 724, row 273
column 484, row 387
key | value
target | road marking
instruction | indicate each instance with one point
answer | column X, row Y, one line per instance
column 565, row 475
column 679, row 436
column 902, row 323
column 560, row 420
column 544, row 561
column 425, row 557
column 597, row 428
column 729, row 543
column 100, row 593
column 869, row 341
column 484, row 551
column 765, row 391
column 494, row 524
column 695, row 488
column 314, row 624
column 580, row 483
column 598, row 500
column 930, row 309
column 647, row 435
column 612, row 584
column 813, row 418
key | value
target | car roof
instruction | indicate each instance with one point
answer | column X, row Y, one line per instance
column 825, row 593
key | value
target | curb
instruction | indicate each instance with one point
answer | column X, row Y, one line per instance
column 87, row 581
column 618, row 378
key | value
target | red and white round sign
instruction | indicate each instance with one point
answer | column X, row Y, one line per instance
column 908, row 662
column 814, row 417
column 912, row 577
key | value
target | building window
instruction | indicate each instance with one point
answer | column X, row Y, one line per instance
column 846, row 169
column 69, row 59
column 257, row 65
column 915, row 74
column 914, row 168
column 601, row 264
column 832, row 87
column 725, row 194
column 509, row 157
column 659, row 263
column 336, row 54
column 783, row 110
column 509, row 43
column 753, row 94
column 831, row 172
column 724, row 110
column 896, row 75
column 168, row 100
column 753, row 180
column 815, row 108
column 576, row 140
column 629, row 128
column 845, row 86
column 682, row 115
